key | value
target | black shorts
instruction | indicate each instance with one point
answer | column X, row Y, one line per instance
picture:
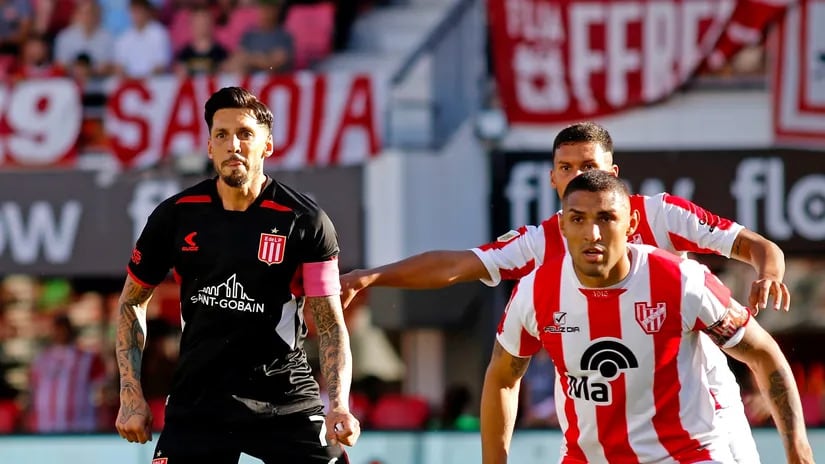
column 295, row 438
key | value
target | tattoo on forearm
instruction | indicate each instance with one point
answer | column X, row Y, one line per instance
column 778, row 392
column 131, row 335
column 333, row 342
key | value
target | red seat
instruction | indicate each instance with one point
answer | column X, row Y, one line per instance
column 398, row 412
column 241, row 20
column 9, row 416
column 311, row 27
column 360, row 407
column 158, row 408
column 180, row 29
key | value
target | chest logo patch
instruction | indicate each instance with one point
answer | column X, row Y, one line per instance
column 271, row 248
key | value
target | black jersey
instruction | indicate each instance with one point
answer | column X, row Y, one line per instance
column 241, row 297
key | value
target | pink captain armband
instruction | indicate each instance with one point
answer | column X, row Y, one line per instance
column 321, row 279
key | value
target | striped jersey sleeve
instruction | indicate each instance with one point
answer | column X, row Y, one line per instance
column 709, row 306
column 682, row 226
column 518, row 329
column 516, row 253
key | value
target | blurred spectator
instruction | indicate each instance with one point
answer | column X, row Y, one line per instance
column 34, row 61
column 15, row 25
column 455, row 409
column 268, row 47
column 84, row 42
column 143, row 49
column 203, row 54
column 66, row 383
column 51, row 16
column 537, row 387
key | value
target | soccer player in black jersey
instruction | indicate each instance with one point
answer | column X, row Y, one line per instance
column 249, row 253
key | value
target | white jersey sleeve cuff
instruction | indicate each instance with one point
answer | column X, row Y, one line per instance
column 508, row 347
column 492, row 269
column 736, row 338
column 730, row 237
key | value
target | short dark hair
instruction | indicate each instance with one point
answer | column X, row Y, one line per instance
column 583, row 132
column 596, row 180
column 237, row 97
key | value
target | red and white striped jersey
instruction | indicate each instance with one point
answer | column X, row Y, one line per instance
column 665, row 221
column 631, row 372
column 64, row 382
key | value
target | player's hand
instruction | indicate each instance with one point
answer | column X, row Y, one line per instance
column 134, row 418
column 761, row 289
column 351, row 284
column 342, row 427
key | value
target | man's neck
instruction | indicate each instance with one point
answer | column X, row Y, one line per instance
column 239, row 198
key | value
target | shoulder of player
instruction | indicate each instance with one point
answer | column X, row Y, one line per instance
column 661, row 257
column 201, row 193
column 298, row 202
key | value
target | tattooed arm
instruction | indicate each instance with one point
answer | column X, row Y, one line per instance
column 499, row 403
column 760, row 352
column 336, row 367
column 768, row 261
column 134, row 419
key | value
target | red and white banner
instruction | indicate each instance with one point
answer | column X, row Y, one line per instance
column 799, row 76
column 320, row 120
column 40, row 122
column 567, row 60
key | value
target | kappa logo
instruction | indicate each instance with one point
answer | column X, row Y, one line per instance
column 190, row 242
column 560, row 324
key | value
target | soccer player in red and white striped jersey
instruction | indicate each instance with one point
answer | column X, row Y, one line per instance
column 621, row 323
column 665, row 221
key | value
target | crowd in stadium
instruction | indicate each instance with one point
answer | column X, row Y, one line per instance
column 137, row 38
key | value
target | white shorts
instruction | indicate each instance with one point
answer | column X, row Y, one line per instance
column 742, row 447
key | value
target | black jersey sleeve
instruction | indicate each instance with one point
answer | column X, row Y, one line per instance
column 153, row 253
column 320, row 240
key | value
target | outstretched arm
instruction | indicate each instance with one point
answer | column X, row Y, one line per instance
column 499, row 404
column 134, row 419
column 428, row 270
column 761, row 353
column 769, row 262
column 336, row 367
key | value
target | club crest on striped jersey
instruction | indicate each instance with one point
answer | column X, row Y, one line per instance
column 650, row 317
column 271, row 248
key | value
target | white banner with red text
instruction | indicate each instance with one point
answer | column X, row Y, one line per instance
column 566, row 60
column 320, row 119
column 799, row 76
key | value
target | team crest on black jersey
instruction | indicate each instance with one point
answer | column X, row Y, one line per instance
column 271, row 248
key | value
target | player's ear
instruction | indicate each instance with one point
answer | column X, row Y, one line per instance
column 270, row 146
column 209, row 148
column 634, row 222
